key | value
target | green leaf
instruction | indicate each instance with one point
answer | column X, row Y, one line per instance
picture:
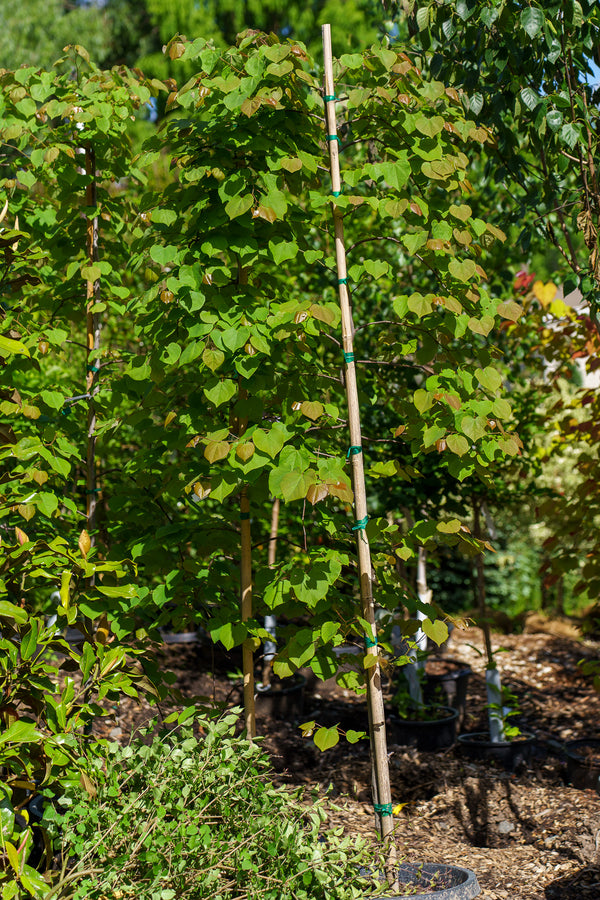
column 489, row 378
column 20, row 732
column 91, row 273
column 294, row 485
column 462, row 270
column 436, row 631
column 530, row 98
column 221, row 392
column 270, row 442
column 325, row 738
column 532, row 20
column 354, row 736
column 376, row 267
column 13, row 612
column 554, row 118
column 8, row 346
column 282, row 250
column 457, row 444
column 239, row 205
column 47, row 503
column 213, row 358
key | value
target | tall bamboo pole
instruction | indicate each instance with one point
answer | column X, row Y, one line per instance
column 240, row 426
column 382, row 798
column 246, row 609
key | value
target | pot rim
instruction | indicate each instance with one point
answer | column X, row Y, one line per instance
column 450, row 718
column 474, row 737
column 466, row 889
column 266, row 690
column 570, row 749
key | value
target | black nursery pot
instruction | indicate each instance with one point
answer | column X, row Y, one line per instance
column 424, row 734
column 508, row 754
column 437, row 881
column 282, row 698
column 583, row 763
column 448, row 685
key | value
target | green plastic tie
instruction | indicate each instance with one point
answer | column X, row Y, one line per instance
column 360, row 524
column 244, row 516
column 329, row 97
column 383, row 809
column 369, row 642
column 353, row 451
column 343, row 280
column 349, row 357
column 93, row 369
column 333, row 137
column 337, row 193
column 93, row 491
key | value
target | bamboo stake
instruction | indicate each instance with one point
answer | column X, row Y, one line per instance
column 382, row 797
column 240, row 426
column 246, row 608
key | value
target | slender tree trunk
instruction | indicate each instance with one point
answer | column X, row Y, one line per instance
column 93, row 346
column 492, row 675
column 271, row 620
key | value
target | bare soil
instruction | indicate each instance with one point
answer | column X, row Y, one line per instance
column 526, row 834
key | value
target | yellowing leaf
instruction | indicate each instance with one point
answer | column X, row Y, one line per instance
column 20, row 536
column 545, row 293
column 312, row 409
column 169, row 418
column 559, row 308
column 216, row 450
column 84, row 543
column 291, row 164
column 317, row 492
column 245, row 451
column 510, row 310
column 27, row 510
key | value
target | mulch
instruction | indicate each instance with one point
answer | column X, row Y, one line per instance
column 526, row 834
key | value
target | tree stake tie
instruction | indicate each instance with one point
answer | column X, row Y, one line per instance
column 349, row 357
column 244, row 516
column 383, row 809
column 352, row 451
column 370, row 642
column 360, row 525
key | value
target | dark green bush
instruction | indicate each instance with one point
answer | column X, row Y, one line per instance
column 193, row 817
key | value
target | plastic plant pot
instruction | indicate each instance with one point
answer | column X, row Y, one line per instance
column 583, row 763
column 435, row 880
column 438, row 732
column 446, row 681
column 508, row 754
column 282, row 698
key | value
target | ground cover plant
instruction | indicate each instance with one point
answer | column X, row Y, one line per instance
column 192, row 812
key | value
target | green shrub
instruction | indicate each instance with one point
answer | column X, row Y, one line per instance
column 197, row 817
